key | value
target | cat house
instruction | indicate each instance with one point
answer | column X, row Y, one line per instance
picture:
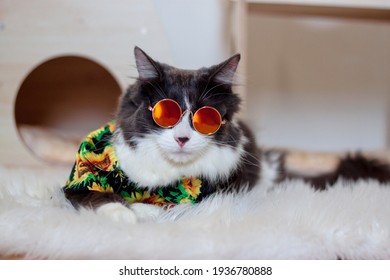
column 63, row 65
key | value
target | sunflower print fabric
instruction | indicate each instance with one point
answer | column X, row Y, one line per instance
column 97, row 169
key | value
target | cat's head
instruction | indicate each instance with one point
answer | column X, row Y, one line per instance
column 191, row 89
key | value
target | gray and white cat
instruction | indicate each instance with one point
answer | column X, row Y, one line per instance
column 228, row 160
column 152, row 156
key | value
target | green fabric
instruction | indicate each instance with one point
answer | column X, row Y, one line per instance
column 97, row 169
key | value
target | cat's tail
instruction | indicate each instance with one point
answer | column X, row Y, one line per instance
column 356, row 167
column 352, row 167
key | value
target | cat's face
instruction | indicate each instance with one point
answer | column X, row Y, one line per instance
column 181, row 144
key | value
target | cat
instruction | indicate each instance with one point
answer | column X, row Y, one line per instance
column 147, row 165
column 134, row 168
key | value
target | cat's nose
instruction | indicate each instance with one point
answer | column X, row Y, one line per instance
column 181, row 140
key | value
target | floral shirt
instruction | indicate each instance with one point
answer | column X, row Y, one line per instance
column 97, row 169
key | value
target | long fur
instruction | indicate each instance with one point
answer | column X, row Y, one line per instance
column 149, row 168
column 289, row 220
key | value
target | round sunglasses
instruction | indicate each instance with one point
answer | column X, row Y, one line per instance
column 167, row 113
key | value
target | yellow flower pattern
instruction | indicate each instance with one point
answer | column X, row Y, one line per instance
column 98, row 188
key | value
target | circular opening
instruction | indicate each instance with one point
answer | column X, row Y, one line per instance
column 62, row 100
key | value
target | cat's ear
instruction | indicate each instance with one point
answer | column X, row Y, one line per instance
column 225, row 71
column 146, row 66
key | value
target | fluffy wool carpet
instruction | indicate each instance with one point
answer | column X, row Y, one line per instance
column 287, row 221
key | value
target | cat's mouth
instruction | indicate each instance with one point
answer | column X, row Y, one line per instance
column 180, row 155
column 182, row 152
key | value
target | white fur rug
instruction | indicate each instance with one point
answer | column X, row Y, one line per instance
column 289, row 221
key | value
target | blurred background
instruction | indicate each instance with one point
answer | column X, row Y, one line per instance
column 314, row 75
column 318, row 77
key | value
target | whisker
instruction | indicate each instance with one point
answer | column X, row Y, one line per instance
column 244, row 154
column 158, row 89
column 214, row 95
column 205, row 93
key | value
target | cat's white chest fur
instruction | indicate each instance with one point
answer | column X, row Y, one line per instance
column 157, row 160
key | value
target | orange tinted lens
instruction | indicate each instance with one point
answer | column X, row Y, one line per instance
column 207, row 120
column 166, row 113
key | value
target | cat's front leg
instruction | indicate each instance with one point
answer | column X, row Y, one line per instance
column 132, row 214
column 114, row 206
column 118, row 212
column 146, row 212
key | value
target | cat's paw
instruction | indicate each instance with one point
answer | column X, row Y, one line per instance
column 118, row 212
column 146, row 212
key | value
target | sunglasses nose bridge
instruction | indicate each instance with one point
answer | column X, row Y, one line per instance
column 185, row 111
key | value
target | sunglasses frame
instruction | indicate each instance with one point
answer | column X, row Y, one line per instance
column 222, row 122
